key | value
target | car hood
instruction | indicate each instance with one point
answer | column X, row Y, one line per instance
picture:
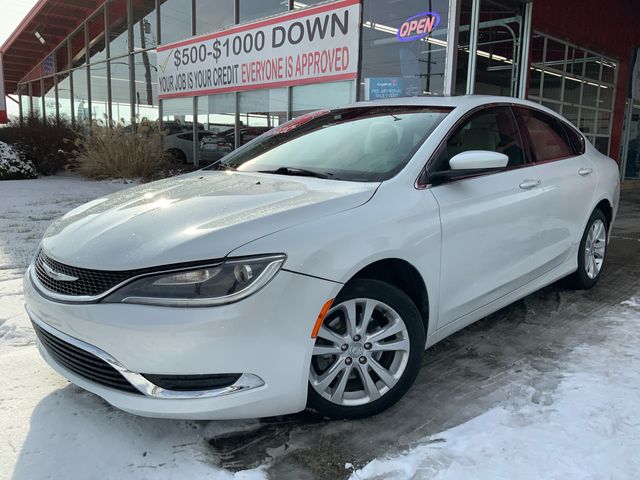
column 199, row 216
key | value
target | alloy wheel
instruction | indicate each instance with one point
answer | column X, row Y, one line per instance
column 361, row 352
column 595, row 247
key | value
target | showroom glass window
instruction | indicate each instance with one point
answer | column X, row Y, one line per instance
column 175, row 20
column 395, row 65
column 50, row 106
column 212, row 15
column 144, row 23
column 146, row 85
column 118, row 33
column 120, row 95
column 98, row 69
column 252, row 9
column 217, row 116
column 316, row 96
column 261, row 110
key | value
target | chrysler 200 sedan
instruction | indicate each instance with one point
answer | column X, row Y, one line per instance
column 312, row 266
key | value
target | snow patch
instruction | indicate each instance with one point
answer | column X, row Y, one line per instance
column 590, row 431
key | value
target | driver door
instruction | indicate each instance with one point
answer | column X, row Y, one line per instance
column 490, row 221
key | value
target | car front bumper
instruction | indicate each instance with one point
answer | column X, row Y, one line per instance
column 266, row 338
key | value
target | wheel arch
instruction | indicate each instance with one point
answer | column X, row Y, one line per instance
column 403, row 275
column 606, row 208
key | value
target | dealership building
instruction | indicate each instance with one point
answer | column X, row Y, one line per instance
column 239, row 67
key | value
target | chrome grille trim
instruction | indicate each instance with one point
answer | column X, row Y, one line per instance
column 131, row 275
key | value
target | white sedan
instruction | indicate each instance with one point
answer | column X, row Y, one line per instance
column 313, row 266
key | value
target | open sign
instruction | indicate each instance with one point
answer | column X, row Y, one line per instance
column 418, row 26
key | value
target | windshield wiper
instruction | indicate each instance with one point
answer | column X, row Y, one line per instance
column 301, row 172
column 223, row 166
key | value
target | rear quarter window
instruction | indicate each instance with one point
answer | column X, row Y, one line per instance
column 575, row 139
column 547, row 135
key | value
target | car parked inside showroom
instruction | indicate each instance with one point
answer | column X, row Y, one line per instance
column 312, row 266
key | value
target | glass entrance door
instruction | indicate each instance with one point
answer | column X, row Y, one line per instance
column 498, row 43
column 499, row 48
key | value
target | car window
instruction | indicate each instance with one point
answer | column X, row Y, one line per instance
column 493, row 129
column 575, row 139
column 186, row 136
column 547, row 136
column 363, row 144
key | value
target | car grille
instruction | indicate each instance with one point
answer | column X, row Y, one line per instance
column 83, row 363
column 88, row 283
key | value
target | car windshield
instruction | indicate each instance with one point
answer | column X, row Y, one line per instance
column 364, row 144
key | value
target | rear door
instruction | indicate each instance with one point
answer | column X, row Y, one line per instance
column 490, row 223
column 566, row 179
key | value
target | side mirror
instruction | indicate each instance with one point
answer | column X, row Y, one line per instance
column 471, row 162
column 478, row 160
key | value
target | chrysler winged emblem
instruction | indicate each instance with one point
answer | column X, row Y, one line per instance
column 61, row 277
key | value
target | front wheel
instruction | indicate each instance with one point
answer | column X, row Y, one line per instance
column 592, row 251
column 368, row 351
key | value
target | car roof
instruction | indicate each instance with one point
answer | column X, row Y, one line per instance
column 465, row 101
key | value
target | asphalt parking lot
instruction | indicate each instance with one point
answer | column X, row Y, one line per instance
column 461, row 378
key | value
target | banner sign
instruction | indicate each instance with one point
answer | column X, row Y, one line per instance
column 3, row 100
column 316, row 44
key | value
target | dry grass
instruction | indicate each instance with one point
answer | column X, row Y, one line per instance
column 119, row 153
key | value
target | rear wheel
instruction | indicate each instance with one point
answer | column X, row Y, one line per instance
column 592, row 251
column 368, row 351
column 177, row 155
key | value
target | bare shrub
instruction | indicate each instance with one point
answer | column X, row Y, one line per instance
column 110, row 153
column 47, row 143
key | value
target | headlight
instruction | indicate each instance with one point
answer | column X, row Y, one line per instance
column 227, row 282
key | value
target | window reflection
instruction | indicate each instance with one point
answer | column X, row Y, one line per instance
column 146, row 85
column 97, row 45
column 50, row 98
column 175, row 20
column 99, row 111
column 36, row 101
column 64, row 97
column 118, row 35
column 307, row 98
column 144, row 23
column 217, row 117
column 120, row 98
column 498, row 48
column 177, row 122
column 261, row 110
column 251, row 10
column 80, row 96
column 212, row 15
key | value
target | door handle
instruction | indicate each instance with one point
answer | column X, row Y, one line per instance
column 529, row 184
column 585, row 171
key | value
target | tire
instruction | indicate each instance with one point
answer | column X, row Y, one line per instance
column 394, row 319
column 590, row 266
column 178, row 155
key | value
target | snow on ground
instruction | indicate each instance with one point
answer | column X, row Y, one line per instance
column 588, row 428
column 49, row 428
